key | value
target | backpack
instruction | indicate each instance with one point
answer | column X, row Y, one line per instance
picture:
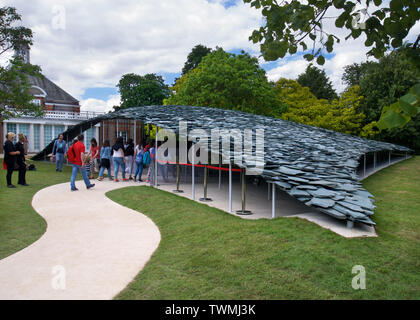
column 139, row 158
column 71, row 154
column 146, row 158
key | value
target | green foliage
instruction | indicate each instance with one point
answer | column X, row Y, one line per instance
column 290, row 23
column 15, row 99
column 227, row 81
column 137, row 91
column 194, row 57
column 317, row 81
column 339, row 114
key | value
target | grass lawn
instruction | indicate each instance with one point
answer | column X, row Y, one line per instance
column 20, row 225
column 208, row 254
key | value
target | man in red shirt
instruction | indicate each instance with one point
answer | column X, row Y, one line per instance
column 79, row 164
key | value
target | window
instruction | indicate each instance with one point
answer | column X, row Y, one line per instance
column 36, row 101
column 36, row 137
column 48, row 134
column 58, row 130
column 24, row 128
column 11, row 127
column 89, row 134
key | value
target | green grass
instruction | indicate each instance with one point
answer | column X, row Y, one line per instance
column 208, row 254
column 20, row 225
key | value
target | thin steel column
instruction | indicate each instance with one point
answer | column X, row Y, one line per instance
column 230, row 186
column 268, row 190
column 389, row 157
column 177, row 178
column 273, row 201
column 193, row 172
column 350, row 224
column 364, row 165
column 243, row 211
column 103, row 132
column 374, row 160
column 220, row 171
column 117, row 128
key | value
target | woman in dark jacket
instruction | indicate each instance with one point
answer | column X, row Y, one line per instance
column 10, row 155
column 20, row 159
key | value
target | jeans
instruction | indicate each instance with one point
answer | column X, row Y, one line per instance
column 129, row 164
column 102, row 170
column 77, row 168
column 119, row 161
column 59, row 159
column 139, row 170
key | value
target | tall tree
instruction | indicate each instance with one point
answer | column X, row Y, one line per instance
column 353, row 73
column 194, row 57
column 137, row 91
column 15, row 97
column 227, row 81
column 318, row 82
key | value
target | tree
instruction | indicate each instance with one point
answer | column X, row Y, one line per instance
column 227, row 81
column 353, row 73
column 317, row 81
column 137, row 91
column 339, row 114
column 194, row 57
column 15, row 98
column 289, row 24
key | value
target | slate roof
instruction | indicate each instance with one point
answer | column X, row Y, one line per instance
column 314, row 165
column 54, row 93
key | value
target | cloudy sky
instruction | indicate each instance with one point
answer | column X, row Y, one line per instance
column 86, row 46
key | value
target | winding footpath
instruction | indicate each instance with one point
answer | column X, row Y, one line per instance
column 92, row 248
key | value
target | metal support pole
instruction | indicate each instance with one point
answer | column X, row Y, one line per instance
column 268, row 190
column 230, row 186
column 243, row 180
column 273, row 201
column 374, row 160
column 117, row 128
column 364, row 165
column 389, row 157
column 103, row 132
column 193, row 173
column 220, row 171
column 350, row 224
column 204, row 198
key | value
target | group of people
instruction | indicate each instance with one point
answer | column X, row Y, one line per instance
column 14, row 158
column 130, row 158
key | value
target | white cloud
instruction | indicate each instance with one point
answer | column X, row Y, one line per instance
column 98, row 105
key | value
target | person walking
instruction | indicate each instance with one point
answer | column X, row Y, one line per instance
column 105, row 157
column 59, row 151
column 129, row 154
column 138, row 156
column 20, row 160
column 151, row 171
column 79, row 163
column 10, row 155
column 118, row 158
column 94, row 157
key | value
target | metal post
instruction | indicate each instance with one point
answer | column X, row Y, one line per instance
column 177, row 178
column 273, row 201
column 193, row 173
column 220, row 171
column 205, row 199
column 374, row 160
column 117, row 128
column 243, row 180
column 156, row 157
column 364, row 165
column 268, row 190
column 230, row 186
column 350, row 224
column 103, row 132
column 389, row 157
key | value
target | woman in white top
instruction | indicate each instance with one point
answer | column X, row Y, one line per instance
column 118, row 158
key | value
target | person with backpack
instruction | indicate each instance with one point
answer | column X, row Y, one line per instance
column 76, row 155
column 59, row 150
column 138, row 157
column 105, row 157
column 128, row 157
column 118, row 158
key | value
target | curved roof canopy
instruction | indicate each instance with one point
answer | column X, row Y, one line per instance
column 314, row 165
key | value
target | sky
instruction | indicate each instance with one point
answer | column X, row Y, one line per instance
column 86, row 46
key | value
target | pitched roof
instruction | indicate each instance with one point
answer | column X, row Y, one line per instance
column 54, row 93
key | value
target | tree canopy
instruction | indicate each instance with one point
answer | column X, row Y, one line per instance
column 194, row 57
column 318, row 82
column 339, row 114
column 137, row 90
column 15, row 97
column 227, row 81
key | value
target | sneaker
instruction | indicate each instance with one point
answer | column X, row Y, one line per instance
column 147, row 181
column 24, row 184
column 75, row 189
column 100, row 178
column 116, row 180
column 11, row 186
column 91, row 186
column 125, row 179
column 140, row 180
